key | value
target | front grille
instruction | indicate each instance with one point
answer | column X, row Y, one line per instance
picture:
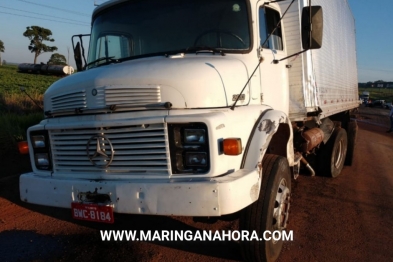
column 138, row 149
column 69, row 101
column 135, row 96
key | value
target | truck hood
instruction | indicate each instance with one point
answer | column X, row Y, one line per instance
column 185, row 81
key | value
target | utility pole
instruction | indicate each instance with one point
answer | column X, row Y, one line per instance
column 68, row 60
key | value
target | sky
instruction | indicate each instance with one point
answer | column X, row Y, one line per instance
column 374, row 31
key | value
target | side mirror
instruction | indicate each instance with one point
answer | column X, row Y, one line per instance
column 78, row 57
column 312, row 27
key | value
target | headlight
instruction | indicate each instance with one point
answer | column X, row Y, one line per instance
column 40, row 143
column 194, row 136
column 197, row 159
column 189, row 148
column 42, row 161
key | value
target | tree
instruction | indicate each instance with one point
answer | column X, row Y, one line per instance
column 36, row 36
column 57, row 59
column 1, row 50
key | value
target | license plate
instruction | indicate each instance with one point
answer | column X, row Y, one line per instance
column 92, row 212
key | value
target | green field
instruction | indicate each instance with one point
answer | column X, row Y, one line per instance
column 17, row 110
column 379, row 93
column 11, row 80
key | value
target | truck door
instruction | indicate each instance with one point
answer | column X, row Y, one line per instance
column 274, row 77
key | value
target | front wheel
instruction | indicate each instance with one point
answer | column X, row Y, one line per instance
column 270, row 212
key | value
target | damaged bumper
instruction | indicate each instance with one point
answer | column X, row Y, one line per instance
column 211, row 197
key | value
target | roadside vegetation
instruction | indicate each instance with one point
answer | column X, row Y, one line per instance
column 17, row 110
column 378, row 93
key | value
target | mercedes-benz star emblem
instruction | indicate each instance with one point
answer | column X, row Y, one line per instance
column 99, row 154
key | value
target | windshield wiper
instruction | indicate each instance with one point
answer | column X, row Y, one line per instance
column 202, row 49
column 109, row 60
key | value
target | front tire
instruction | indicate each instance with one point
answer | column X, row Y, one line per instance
column 270, row 212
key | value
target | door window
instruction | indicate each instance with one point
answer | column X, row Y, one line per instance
column 268, row 20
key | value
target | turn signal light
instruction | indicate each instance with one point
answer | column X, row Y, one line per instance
column 232, row 146
column 23, row 147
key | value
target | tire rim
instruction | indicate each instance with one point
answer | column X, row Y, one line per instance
column 281, row 206
column 338, row 155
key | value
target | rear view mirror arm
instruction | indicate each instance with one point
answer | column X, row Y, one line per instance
column 275, row 61
column 77, row 52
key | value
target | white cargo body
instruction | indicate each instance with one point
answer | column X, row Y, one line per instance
column 326, row 77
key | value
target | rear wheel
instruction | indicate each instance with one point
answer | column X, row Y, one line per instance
column 352, row 131
column 270, row 212
column 332, row 155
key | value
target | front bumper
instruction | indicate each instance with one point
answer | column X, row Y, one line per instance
column 200, row 197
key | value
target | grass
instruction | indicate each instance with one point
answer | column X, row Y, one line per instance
column 11, row 80
column 13, row 103
column 17, row 111
column 13, row 129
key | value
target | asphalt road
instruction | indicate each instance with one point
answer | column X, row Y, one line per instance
column 349, row 218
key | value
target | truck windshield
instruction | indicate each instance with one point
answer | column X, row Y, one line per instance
column 138, row 28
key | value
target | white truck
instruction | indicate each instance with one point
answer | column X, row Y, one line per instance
column 366, row 97
column 199, row 108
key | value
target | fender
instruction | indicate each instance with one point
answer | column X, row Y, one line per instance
column 270, row 124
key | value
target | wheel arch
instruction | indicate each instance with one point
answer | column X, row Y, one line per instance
column 272, row 133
